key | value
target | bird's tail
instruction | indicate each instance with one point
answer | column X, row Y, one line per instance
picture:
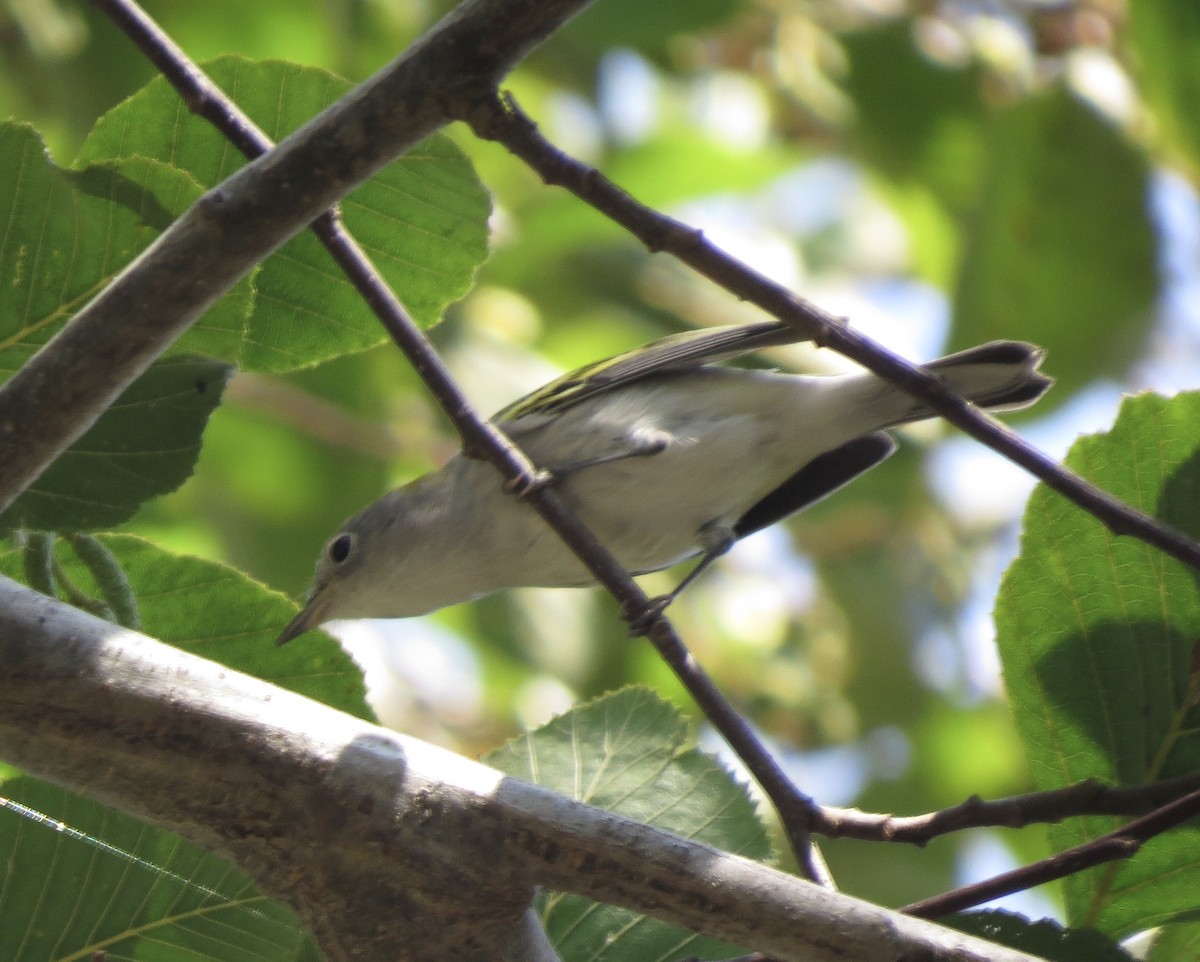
column 999, row 376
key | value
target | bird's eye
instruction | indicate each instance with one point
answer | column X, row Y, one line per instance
column 339, row 548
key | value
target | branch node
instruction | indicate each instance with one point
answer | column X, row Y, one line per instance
column 526, row 484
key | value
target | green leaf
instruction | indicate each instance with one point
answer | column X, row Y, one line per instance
column 1097, row 635
column 66, row 234
column 83, row 879
column 1164, row 38
column 1045, row 938
column 164, row 900
column 625, row 752
column 144, row 445
column 216, row 612
column 422, row 219
column 1061, row 241
column 919, row 124
column 917, row 120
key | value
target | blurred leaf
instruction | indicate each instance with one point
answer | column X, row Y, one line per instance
column 676, row 164
column 272, row 519
column 91, row 880
column 625, row 753
column 917, row 120
column 1164, row 38
column 571, row 258
column 422, row 219
column 932, row 235
column 1097, row 636
column 144, row 445
column 1061, row 250
column 66, row 234
column 218, row 613
column 1045, row 939
column 961, row 753
column 650, row 29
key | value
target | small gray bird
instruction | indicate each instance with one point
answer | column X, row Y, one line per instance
column 664, row 455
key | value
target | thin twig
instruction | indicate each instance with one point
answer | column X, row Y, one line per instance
column 1123, row 843
column 1083, row 798
column 482, row 438
column 499, row 118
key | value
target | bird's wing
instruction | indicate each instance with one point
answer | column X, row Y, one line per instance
column 819, row 478
column 672, row 353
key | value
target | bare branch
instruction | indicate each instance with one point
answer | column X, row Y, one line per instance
column 387, row 847
column 199, row 93
column 1123, row 843
column 500, row 119
column 1083, row 798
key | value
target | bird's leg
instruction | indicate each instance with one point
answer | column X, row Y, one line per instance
column 716, row 538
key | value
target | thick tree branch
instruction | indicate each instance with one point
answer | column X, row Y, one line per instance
column 386, row 847
column 65, row 387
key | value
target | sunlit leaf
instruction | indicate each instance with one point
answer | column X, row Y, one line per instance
column 1098, row 636
column 422, row 219
column 1176, row 943
column 1164, row 38
column 64, row 234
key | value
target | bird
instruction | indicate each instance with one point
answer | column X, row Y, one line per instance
column 665, row 453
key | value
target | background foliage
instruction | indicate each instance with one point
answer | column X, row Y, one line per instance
column 941, row 173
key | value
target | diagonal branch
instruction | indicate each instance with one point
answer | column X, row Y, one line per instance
column 64, row 388
column 500, row 119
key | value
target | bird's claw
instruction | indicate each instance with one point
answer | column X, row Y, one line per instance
column 642, row 621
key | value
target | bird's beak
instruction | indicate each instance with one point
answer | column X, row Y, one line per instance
column 311, row 615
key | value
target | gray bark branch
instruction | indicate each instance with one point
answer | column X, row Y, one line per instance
column 387, row 848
